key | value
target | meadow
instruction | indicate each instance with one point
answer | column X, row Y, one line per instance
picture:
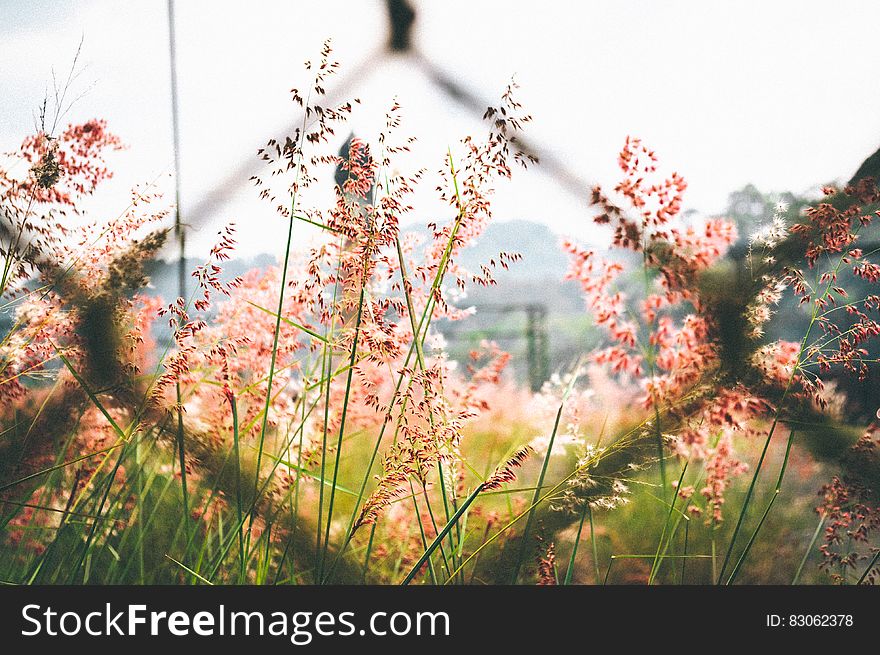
column 304, row 423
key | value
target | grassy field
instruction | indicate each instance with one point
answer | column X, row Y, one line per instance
column 304, row 423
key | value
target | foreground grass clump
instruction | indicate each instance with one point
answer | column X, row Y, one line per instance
column 303, row 423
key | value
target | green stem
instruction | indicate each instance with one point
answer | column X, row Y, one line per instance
column 441, row 535
column 348, row 382
column 687, row 529
column 531, row 517
column 797, row 574
column 870, row 566
column 574, row 548
column 369, row 552
column 791, row 378
column 656, row 564
column 428, row 550
column 238, row 500
column 181, row 458
column 594, row 544
column 776, row 491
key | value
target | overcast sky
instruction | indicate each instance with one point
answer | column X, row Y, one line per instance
column 782, row 94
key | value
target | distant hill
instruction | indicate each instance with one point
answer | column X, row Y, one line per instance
column 536, row 278
column 537, row 243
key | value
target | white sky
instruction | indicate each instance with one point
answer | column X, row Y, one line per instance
column 782, row 94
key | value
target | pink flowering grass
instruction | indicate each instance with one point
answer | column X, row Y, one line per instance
column 300, row 424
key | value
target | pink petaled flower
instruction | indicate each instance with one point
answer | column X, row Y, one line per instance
column 360, row 169
column 505, row 473
column 546, row 562
column 851, row 517
column 652, row 304
column 670, row 338
column 679, row 350
column 181, row 363
column 66, row 167
column 619, row 360
column 658, row 203
column 702, row 247
column 708, row 435
column 721, row 466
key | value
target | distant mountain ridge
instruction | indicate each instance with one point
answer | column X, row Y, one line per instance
column 538, row 244
column 542, row 261
column 537, row 279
